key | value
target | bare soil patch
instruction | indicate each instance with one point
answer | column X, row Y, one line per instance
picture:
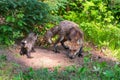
column 46, row 58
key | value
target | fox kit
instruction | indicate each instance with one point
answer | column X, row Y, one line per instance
column 27, row 45
column 68, row 34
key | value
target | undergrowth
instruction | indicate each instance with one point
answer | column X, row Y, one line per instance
column 90, row 70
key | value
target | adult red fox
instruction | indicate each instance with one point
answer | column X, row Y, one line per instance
column 69, row 33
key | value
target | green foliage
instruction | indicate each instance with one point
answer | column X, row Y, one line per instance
column 22, row 12
column 2, row 60
column 56, row 9
column 8, row 35
column 5, row 71
column 20, row 17
column 3, row 57
column 97, row 22
column 113, row 5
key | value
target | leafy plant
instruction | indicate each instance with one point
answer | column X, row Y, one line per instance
column 90, row 70
column 3, row 57
column 20, row 17
column 97, row 22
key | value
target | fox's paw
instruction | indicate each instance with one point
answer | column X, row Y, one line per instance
column 29, row 57
column 33, row 51
column 56, row 51
column 80, row 55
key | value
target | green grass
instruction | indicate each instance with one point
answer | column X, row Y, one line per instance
column 72, row 73
column 91, row 70
column 7, row 69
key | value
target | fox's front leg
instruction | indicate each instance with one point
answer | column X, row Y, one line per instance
column 28, row 54
column 80, row 52
column 55, row 45
column 33, row 50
